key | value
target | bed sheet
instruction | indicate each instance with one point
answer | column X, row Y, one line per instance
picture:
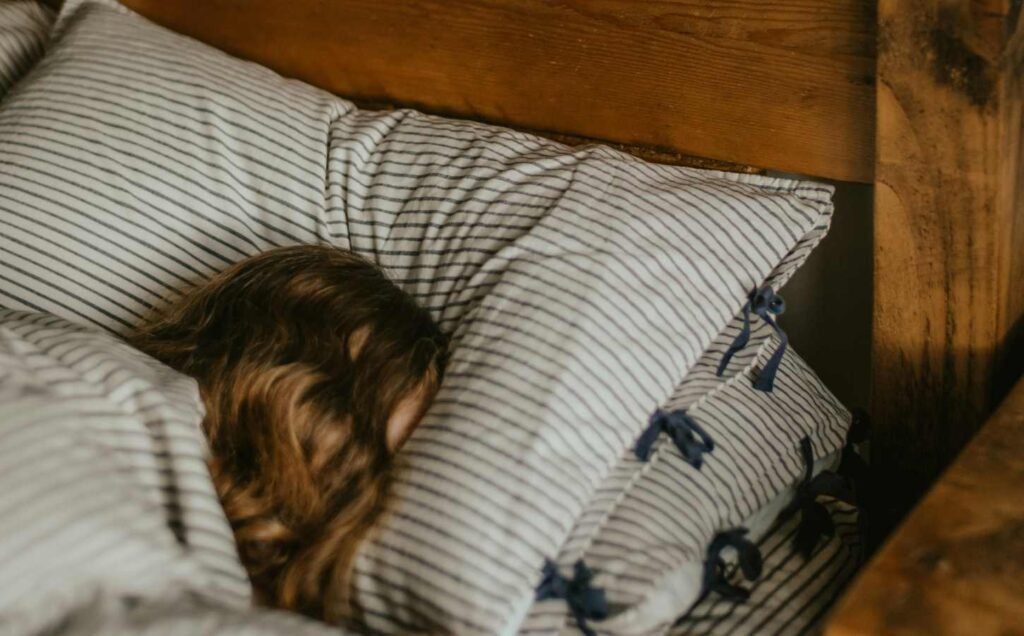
column 24, row 30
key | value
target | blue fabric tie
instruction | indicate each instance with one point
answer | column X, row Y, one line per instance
column 585, row 602
column 765, row 303
column 691, row 440
column 815, row 520
column 717, row 573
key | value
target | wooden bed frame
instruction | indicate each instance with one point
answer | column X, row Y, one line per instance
column 922, row 99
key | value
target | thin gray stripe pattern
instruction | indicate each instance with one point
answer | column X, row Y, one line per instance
column 109, row 523
column 525, row 225
column 24, row 30
column 645, row 532
column 579, row 285
column 792, row 596
column 106, row 490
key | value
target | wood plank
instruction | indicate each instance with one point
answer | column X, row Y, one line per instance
column 949, row 285
column 956, row 566
column 783, row 85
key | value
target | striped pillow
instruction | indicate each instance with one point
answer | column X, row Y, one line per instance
column 793, row 595
column 646, row 531
column 136, row 162
column 579, row 285
column 565, row 276
column 24, row 29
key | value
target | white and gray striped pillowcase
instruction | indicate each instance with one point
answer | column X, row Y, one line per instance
column 792, row 596
column 650, row 523
column 24, row 30
column 702, row 383
column 138, row 169
column 433, row 199
column 440, row 517
column 137, row 162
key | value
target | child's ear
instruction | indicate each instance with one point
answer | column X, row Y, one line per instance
column 356, row 341
column 407, row 415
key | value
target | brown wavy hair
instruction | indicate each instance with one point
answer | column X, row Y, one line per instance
column 301, row 355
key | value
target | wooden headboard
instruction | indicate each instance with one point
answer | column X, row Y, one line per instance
column 788, row 86
column 932, row 116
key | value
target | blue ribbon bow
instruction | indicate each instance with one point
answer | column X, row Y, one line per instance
column 717, row 573
column 765, row 303
column 815, row 520
column 691, row 440
column 585, row 602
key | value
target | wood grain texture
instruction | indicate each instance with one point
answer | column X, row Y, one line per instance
column 956, row 566
column 783, row 85
column 949, row 285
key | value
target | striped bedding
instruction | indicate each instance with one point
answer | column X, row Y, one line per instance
column 109, row 522
column 140, row 460
column 24, row 30
column 441, row 561
column 579, row 285
column 792, row 596
column 645, row 532
column 758, row 425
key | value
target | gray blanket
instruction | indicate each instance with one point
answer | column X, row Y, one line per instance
column 109, row 523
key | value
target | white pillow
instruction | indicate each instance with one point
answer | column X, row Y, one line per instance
column 646, row 532
column 136, row 162
column 579, row 285
column 794, row 595
column 24, row 29
column 573, row 282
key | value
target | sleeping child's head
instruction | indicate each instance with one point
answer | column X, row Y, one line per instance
column 314, row 368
